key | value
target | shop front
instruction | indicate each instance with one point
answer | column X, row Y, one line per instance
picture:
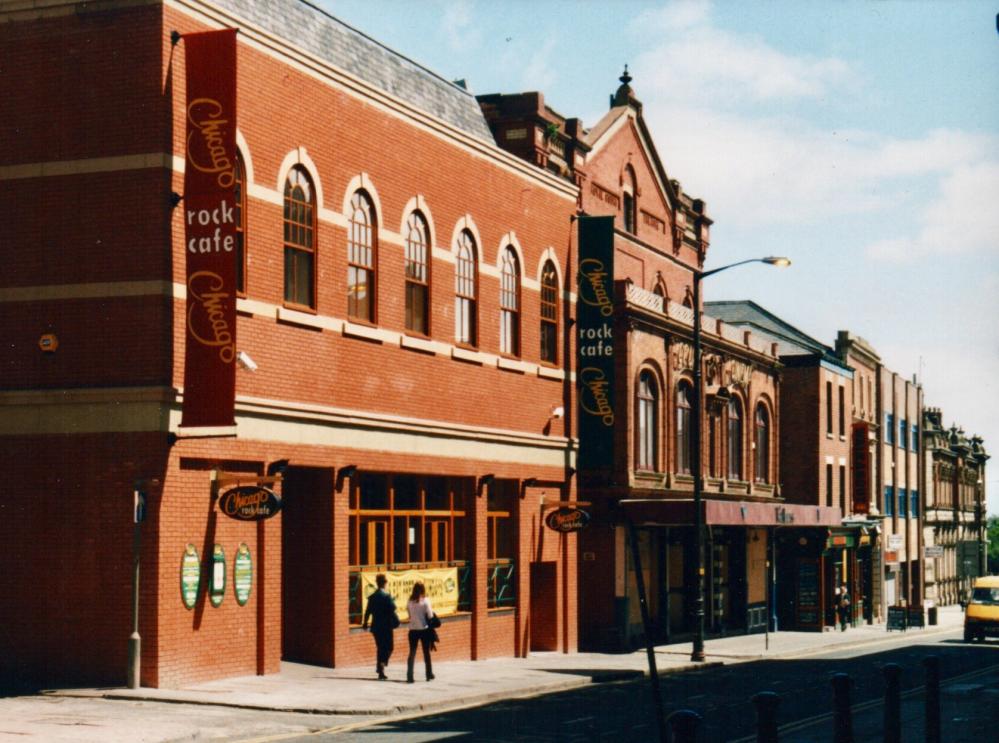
column 739, row 580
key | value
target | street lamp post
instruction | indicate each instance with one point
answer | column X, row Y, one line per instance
column 695, row 443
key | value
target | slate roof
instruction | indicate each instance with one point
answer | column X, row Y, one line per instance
column 314, row 30
column 790, row 341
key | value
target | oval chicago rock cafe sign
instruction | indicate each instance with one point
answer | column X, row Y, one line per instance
column 567, row 519
column 249, row 503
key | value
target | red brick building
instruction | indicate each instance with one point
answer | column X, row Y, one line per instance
column 817, row 431
column 403, row 320
column 641, row 465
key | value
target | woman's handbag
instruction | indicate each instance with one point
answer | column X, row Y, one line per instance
column 434, row 622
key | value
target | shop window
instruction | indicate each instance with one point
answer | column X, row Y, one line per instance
column 299, row 240
column 239, row 195
column 762, row 463
column 417, row 275
column 399, row 521
column 362, row 244
column 465, row 290
column 684, row 402
column 502, row 544
column 549, row 313
column 646, row 431
column 510, row 303
column 734, row 440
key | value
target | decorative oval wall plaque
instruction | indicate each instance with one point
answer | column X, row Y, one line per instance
column 249, row 503
column 242, row 574
column 190, row 576
column 217, row 590
column 567, row 519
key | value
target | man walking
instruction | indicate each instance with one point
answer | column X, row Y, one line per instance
column 384, row 620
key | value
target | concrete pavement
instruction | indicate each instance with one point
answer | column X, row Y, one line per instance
column 355, row 691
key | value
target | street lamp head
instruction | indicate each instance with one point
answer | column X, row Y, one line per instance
column 780, row 261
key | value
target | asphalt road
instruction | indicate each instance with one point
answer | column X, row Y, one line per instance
column 613, row 711
column 722, row 696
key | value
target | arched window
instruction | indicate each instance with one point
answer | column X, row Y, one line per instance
column 362, row 243
column 299, row 240
column 684, row 403
column 761, row 465
column 549, row 313
column 647, row 454
column 734, row 440
column 417, row 274
column 239, row 194
column 465, row 286
column 510, row 303
column 628, row 202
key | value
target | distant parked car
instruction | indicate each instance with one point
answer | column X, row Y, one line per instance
column 981, row 617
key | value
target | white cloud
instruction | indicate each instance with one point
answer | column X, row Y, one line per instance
column 673, row 17
column 540, row 70
column 459, row 26
column 962, row 219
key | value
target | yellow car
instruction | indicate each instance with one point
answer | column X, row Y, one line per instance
column 981, row 617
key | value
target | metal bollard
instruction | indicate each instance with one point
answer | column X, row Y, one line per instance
column 893, row 703
column 683, row 726
column 932, row 664
column 766, row 716
column 842, row 721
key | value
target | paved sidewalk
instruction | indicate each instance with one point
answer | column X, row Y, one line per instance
column 355, row 691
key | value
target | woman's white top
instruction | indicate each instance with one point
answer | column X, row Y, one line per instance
column 420, row 613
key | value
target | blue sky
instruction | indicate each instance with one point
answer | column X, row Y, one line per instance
column 861, row 139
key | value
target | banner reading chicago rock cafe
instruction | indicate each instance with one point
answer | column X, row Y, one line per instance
column 210, row 229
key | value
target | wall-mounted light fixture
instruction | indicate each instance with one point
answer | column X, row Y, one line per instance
column 277, row 467
column 557, row 411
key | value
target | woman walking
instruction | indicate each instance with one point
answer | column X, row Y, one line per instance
column 420, row 613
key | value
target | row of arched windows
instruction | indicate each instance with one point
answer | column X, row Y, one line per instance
column 300, row 228
column 647, row 433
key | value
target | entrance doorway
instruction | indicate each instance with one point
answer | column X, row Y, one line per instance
column 307, row 565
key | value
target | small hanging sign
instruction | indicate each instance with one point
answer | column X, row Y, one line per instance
column 217, row 590
column 190, row 576
column 249, row 503
column 567, row 519
column 242, row 574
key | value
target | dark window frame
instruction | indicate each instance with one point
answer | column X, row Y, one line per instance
column 418, row 254
column 362, row 258
column 300, row 240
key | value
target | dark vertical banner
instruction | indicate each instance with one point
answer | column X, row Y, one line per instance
column 595, row 342
column 861, row 469
column 209, row 210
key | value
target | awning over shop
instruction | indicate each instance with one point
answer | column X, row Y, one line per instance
column 730, row 513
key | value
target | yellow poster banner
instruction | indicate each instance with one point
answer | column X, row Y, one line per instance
column 441, row 585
